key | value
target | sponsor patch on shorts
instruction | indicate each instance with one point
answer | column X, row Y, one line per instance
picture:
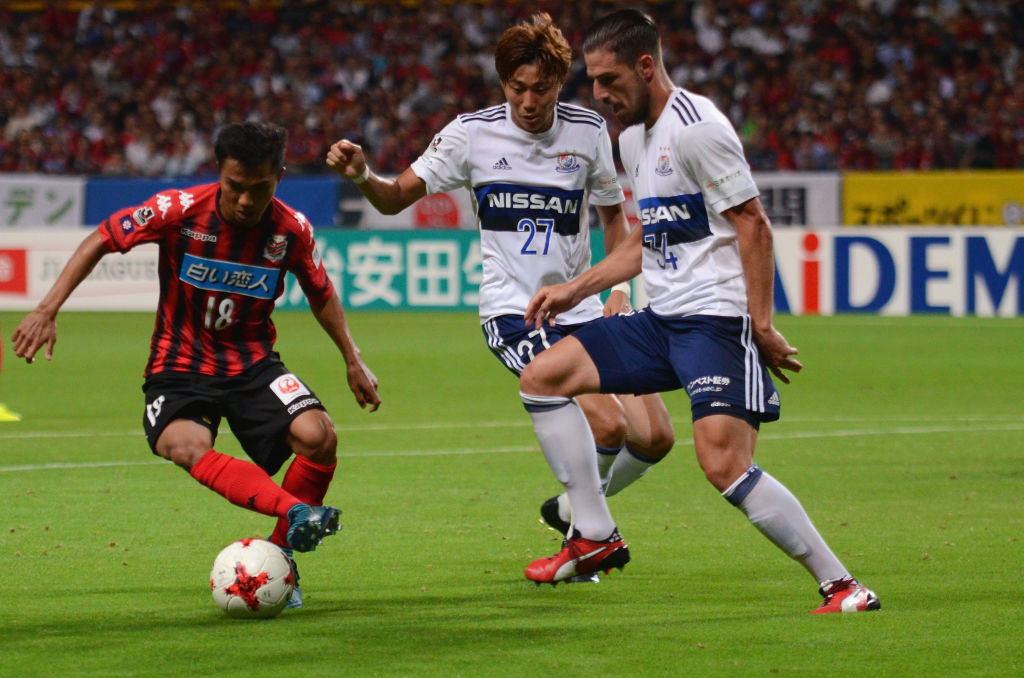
column 287, row 387
column 303, row 404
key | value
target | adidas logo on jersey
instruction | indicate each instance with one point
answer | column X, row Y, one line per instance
column 774, row 400
column 501, row 165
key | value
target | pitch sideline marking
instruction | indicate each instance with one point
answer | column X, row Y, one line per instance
column 531, row 448
column 519, row 423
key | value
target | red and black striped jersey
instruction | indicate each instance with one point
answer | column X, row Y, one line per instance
column 218, row 282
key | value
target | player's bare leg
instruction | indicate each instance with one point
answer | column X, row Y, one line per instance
column 649, row 437
column 725, row 451
column 190, row 445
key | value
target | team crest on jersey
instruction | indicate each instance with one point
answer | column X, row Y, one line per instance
column 126, row 225
column 664, row 166
column 567, row 163
column 437, row 142
column 143, row 215
column 276, row 247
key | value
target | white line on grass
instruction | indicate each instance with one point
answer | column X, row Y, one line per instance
column 904, row 430
column 519, row 423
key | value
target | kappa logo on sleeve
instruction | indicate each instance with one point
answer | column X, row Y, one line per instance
column 288, row 388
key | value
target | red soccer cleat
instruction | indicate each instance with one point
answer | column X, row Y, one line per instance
column 580, row 556
column 847, row 595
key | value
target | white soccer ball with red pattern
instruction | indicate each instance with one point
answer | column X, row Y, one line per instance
column 252, row 578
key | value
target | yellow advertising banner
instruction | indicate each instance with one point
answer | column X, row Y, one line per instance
column 939, row 198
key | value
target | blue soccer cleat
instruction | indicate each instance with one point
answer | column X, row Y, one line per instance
column 296, row 600
column 308, row 525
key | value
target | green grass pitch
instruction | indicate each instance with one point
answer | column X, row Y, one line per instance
column 903, row 438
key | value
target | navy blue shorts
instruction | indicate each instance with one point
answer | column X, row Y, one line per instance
column 515, row 344
column 713, row 357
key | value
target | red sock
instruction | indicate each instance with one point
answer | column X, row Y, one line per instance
column 308, row 481
column 243, row 483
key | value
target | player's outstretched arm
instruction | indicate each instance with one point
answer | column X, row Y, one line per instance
column 388, row 196
column 753, row 230
column 622, row 264
column 39, row 328
column 361, row 380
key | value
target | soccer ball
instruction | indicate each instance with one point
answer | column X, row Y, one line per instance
column 252, row 578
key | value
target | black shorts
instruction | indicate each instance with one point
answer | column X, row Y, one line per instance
column 259, row 405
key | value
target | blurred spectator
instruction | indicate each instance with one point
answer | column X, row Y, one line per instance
column 810, row 85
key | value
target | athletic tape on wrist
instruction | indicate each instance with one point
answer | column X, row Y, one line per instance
column 362, row 177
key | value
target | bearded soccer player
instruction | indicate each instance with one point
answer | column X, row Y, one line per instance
column 705, row 248
column 224, row 250
column 533, row 166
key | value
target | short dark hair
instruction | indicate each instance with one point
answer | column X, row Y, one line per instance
column 536, row 40
column 252, row 144
column 626, row 33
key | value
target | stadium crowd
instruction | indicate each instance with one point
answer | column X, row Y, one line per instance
column 141, row 88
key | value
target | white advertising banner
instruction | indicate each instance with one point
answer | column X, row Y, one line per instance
column 801, row 198
column 900, row 271
column 33, row 200
column 31, row 260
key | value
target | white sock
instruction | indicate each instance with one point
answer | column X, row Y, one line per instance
column 628, row 468
column 605, row 459
column 779, row 516
column 564, row 508
column 568, row 445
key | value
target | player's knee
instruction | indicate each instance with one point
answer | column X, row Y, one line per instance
column 312, row 435
column 184, row 453
column 184, row 442
column 536, row 379
column 608, row 425
column 663, row 438
column 722, row 464
column 717, row 470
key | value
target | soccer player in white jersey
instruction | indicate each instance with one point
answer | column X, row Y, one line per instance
column 705, row 249
column 533, row 165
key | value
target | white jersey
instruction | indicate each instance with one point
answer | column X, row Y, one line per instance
column 686, row 170
column 531, row 194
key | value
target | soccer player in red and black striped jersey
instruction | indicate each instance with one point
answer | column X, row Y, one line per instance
column 224, row 250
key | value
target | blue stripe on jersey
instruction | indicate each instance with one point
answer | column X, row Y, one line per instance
column 684, row 116
column 685, row 109
column 485, row 115
column 580, row 115
column 682, row 218
column 227, row 276
column 693, row 107
column 502, row 207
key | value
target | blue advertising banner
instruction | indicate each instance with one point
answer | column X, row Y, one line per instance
column 404, row 269
column 315, row 196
